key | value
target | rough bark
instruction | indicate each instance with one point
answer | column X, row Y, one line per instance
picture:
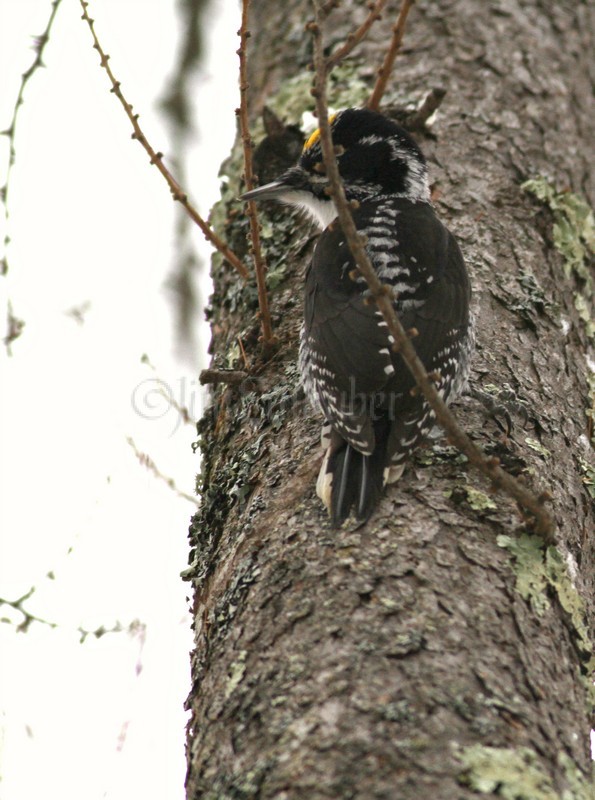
column 424, row 652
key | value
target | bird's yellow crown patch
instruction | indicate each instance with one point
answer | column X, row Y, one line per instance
column 314, row 137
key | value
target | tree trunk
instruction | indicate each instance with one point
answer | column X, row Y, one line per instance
column 440, row 650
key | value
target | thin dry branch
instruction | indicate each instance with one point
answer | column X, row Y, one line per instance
column 329, row 6
column 28, row 618
column 391, row 54
column 10, row 132
column 165, row 391
column 14, row 327
column 157, row 158
column 382, row 295
column 148, row 462
column 355, row 37
column 259, row 261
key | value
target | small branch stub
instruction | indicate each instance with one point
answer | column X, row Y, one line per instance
column 230, row 377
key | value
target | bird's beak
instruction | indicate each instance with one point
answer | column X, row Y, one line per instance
column 270, row 191
column 286, row 186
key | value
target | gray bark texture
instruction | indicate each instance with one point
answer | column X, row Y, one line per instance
column 440, row 651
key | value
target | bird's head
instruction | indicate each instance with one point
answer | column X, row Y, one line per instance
column 376, row 157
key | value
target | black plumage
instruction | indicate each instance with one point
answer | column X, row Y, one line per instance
column 350, row 371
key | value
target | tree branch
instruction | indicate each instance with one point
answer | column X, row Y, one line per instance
column 391, row 54
column 135, row 627
column 157, row 158
column 354, row 38
column 383, row 297
column 259, row 261
column 37, row 63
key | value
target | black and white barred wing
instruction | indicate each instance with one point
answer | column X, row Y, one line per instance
column 345, row 361
column 444, row 343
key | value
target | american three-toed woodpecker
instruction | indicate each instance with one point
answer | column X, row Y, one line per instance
column 349, row 369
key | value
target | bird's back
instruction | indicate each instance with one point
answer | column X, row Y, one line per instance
column 349, row 367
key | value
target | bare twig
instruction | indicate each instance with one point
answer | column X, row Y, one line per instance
column 259, row 261
column 243, row 352
column 134, row 628
column 165, row 391
column 14, row 328
column 391, row 54
column 148, row 462
column 382, row 296
column 37, row 63
column 355, row 37
column 157, row 158
column 28, row 617
column 328, row 7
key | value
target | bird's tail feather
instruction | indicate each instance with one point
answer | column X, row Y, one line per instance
column 351, row 480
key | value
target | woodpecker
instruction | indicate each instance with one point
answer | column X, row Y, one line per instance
column 350, row 371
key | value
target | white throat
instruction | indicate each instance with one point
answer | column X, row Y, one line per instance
column 323, row 212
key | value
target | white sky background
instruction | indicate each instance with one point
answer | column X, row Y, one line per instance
column 91, row 221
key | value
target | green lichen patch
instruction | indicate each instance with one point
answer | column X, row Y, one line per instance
column 345, row 89
column 529, row 569
column 516, row 774
column 581, row 786
column 511, row 774
column 236, row 673
column 583, row 306
column 590, row 412
column 538, row 447
column 574, row 238
column 537, row 570
column 439, row 454
column 588, row 479
column 293, row 98
column 479, row 501
column 573, row 234
column 239, row 785
column 476, row 499
column 556, row 573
